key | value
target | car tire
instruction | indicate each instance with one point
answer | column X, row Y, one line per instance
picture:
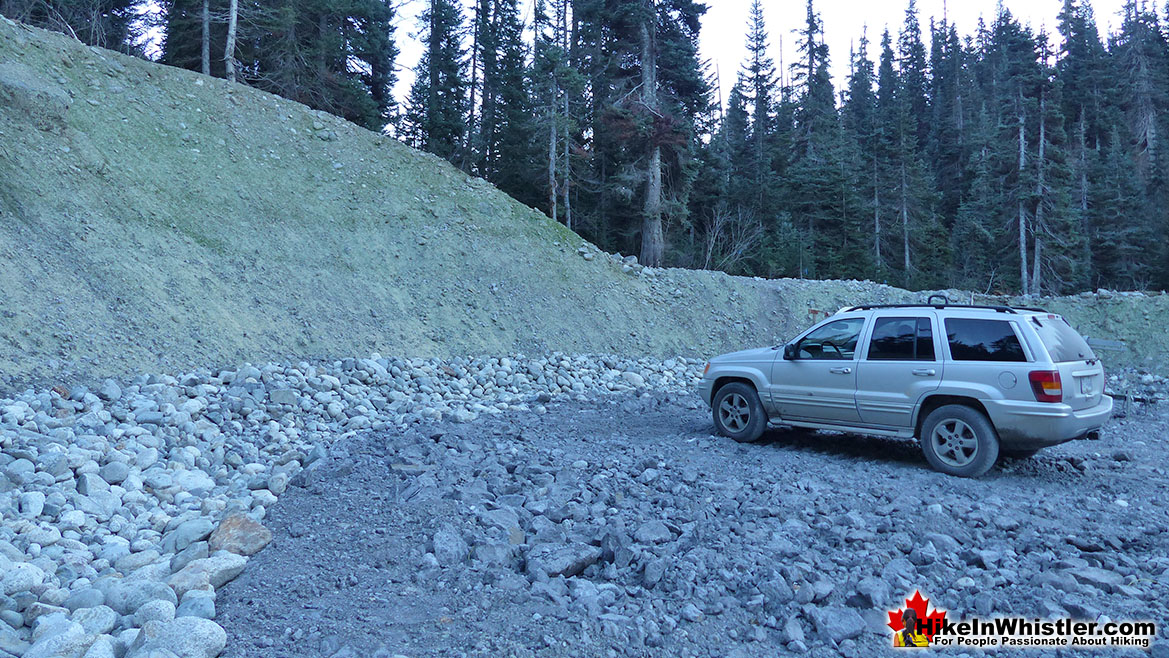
column 959, row 440
column 738, row 412
column 1019, row 454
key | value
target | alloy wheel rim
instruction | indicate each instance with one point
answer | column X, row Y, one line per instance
column 955, row 442
column 735, row 412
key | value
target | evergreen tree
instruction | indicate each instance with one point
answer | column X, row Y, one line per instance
column 646, row 86
column 823, row 180
column 1123, row 235
column 912, row 75
column 192, row 33
column 985, row 161
column 1057, row 258
column 685, row 95
column 112, row 24
column 504, row 151
column 1083, row 71
column 550, row 77
column 974, row 240
column 1141, row 53
column 913, row 194
column 336, row 57
column 735, row 139
column 945, row 145
column 885, row 148
column 757, row 84
column 1012, row 81
column 859, row 114
column 436, row 112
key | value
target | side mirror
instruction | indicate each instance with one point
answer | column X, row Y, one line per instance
column 790, row 352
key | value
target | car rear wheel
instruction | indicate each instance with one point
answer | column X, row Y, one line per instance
column 738, row 413
column 959, row 440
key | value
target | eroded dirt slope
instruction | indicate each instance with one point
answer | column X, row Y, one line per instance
column 153, row 219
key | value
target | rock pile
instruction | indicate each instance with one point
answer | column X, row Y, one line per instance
column 1141, row 385
column 125, row 507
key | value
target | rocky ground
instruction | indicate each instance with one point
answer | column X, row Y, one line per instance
column 620, row 526
column 123, row 508
column 525, row 506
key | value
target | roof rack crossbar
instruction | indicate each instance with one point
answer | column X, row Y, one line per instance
column 1000, row 309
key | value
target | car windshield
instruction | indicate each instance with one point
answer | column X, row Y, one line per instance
column 1062, row 342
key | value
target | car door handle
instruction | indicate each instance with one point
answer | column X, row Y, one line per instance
column 840, row 371
column 925, row 372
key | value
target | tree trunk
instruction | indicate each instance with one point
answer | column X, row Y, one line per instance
column 652, row 240
column 469, row 145
column 552, row 151
column 876, row 215
column 229, row 52
column 1023, row 280
column 567, row 169
column 1085, row 221
column 905, row 222
column 206, row 60
column 1083, row 167
column 1040, row 195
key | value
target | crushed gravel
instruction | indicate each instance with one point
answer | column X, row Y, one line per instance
column 620, row 526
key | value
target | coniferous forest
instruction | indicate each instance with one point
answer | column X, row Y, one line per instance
column 987, row 157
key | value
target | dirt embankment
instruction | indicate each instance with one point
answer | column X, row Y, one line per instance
column 153, row 219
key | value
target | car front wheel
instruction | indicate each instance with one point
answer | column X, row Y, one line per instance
column 959, row 440
column 738, row 413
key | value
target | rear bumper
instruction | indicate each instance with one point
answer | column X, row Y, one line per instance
column 1036, row 425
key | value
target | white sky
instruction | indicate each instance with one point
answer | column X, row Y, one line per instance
column 725, row 24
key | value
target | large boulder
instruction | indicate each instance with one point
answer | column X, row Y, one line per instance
column 241, row 535
column 214, row 571
column 562, row 559
column 188, row 637
column 68, row 640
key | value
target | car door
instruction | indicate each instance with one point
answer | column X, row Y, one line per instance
column 901, row 364
column 819, row 384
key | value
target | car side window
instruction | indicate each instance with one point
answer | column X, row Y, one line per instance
column 834, row 341
column 983, row 340
column 902, row 339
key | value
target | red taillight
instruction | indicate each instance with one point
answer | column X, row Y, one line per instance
column 1047, row 385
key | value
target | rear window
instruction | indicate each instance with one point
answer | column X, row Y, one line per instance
column 983, row 340
column 1062, row 342
column 902, row 339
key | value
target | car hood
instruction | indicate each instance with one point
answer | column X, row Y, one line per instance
column 757, row 354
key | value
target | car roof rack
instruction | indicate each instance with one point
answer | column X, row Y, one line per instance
column 1000, row 309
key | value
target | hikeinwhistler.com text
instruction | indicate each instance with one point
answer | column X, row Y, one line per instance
column 1017, row 632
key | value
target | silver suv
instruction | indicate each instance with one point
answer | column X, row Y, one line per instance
column 969, row 382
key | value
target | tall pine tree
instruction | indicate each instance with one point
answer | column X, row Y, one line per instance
column 435, row 117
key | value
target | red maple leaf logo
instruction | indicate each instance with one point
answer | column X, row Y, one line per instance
column 931, row 622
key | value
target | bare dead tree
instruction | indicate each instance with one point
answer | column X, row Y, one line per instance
column 206, row 54
column 1024, row 279
column 229, row 51
column 652, row 239
column 730, row 238
column 1041, row 195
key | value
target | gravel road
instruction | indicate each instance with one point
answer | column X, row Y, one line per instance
column 620, row 526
